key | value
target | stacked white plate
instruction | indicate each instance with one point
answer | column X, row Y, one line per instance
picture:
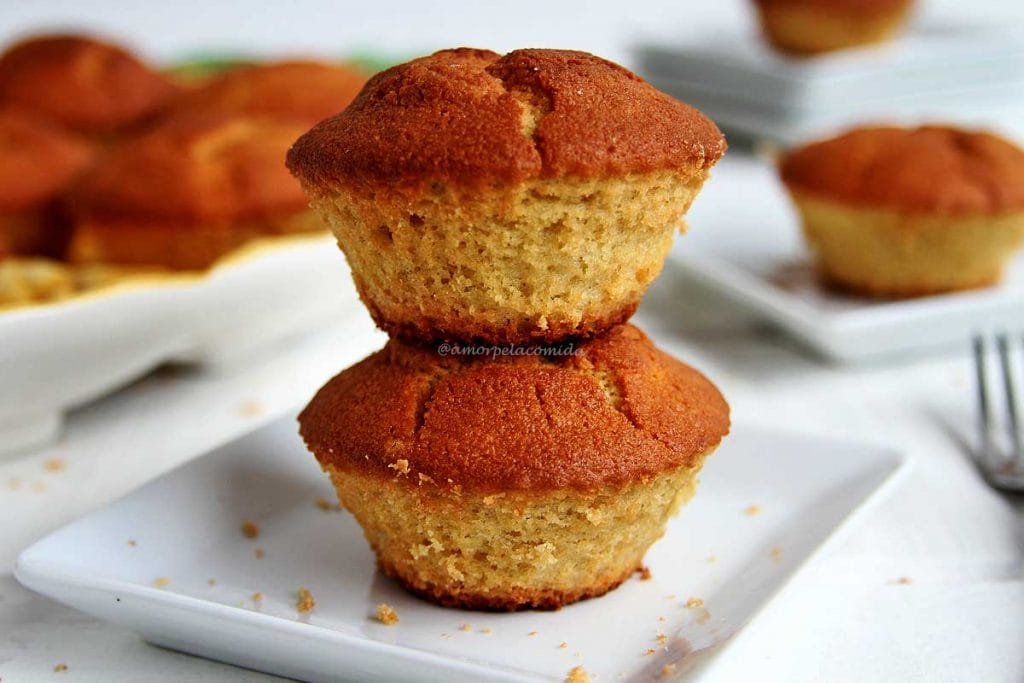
column 971, row 75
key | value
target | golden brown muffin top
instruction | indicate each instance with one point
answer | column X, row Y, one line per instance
column 37, row 161
column 196, row 169
column 295, row 90
column 618, row 411
column 84, row 84
column 931, row 169
column 474, row 118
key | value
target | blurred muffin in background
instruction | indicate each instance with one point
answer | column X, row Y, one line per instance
column 517, row 198
column 304, row 91
column 808, row 27
column 87, row 85
column 515, row 482
column 189, row 191
column 37, row 162
column 909, row 211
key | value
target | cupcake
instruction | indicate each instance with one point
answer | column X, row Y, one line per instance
column 37, row 162
column 510, row 482
column 909, row 211
column 509, row 199
column 808, row 27
column 86, row 85
column 188, row 192
column 296, row 91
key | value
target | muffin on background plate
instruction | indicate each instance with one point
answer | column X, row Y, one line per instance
column 808, row 27
column 517, row 198
column 37, row 162
column 188, row 192
column 305, row 91
column 515, row 482
column 87, row 85
column 902, row 212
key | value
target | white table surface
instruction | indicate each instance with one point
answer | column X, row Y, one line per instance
column 961, row 617
column 845, row 618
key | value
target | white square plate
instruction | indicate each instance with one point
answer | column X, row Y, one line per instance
column 745, row 242
column 185, row 532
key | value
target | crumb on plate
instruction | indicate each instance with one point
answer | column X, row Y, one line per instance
column 305, row 603
column 54, row 465
column 752, row 510
column 161, row 582
column 668, row 670
column 577, row 674
column 645, row 573
column 466, row 627
column 260, row 553
column 693, row 603
column 250, row 529
column 386, row 614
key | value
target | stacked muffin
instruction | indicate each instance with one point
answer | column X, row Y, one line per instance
column 515, row 444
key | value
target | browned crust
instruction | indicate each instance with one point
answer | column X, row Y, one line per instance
column 931, row 169
column 37, row 161
column 304, row 91
column 197, row 169
column 457, row 117
column 514, row 599
column 617, row 411
column 418, row 328
column 83, row 83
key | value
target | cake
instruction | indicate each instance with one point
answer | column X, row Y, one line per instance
column 304, row 91
column 521, row 198
column 84, row 84
column 513, row 482
column 37, row 162
column 808, row 27
column 901, row 212
column 188, row 192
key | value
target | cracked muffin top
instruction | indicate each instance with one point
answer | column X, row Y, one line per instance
column 614, row 411
column 930, row 169
column 84, row 84
column 473, row 118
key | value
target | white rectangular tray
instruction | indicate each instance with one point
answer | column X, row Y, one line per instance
column 170, row 562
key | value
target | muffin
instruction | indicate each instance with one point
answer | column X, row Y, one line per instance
column 87, row 85
column 37, row 162
column 909, row 211
column 510, row 482
column 188, row 192
column 508, row 199
column 297, row 90
column 808, row 27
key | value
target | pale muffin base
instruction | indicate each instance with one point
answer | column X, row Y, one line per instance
column 514, row 550
column 540, row 261
column 887, row 253
column 807, row 30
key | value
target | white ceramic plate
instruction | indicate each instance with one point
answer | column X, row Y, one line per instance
column 745, row 242
column 57, row 356
column 931, row 70
column 185, row 528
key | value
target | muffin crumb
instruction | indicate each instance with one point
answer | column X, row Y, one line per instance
column 250, row 409
column 577, row 674
column 668, row 670
column 257, row 597
column 250, row 529
column 563, row 646
column 902, row 581
column 532, row 634
column 386, row 614
column 326, row 505
column 752, row 510
column 401, row 466
column 466, row 627
column 54, row 465
column 776, row 554
column 305, row 603
column 132, row 543
column 259, row 553
column 645, row 573
column 161, row 582
column 693, row 603
column 211, row 582
column 649, row 651
column 486, row 630
column 60, row 668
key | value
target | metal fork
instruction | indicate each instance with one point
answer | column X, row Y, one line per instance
column 1001, row 460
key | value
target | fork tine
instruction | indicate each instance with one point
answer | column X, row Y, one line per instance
column 1010, row 384
column 984, row 409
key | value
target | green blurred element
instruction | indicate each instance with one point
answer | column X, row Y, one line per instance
column 201, row 66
